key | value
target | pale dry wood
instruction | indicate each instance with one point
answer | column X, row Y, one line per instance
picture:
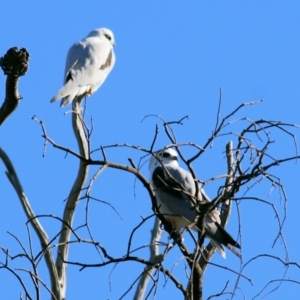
column 41, row 233
column 69, row 211
column 155, row 258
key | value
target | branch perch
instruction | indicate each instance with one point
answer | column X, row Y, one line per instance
column 69, row 211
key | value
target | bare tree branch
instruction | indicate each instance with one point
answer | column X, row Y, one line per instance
column 14, row 64
column 248, row 164
column 155, row 258
column 74, row 195
column 43, row 237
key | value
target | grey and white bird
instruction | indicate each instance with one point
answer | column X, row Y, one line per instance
column 175, row 189
column 88, row 63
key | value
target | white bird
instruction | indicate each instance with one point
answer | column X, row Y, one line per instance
column 88, row 63
column 173, row 186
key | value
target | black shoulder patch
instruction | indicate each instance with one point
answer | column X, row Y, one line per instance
column 165, row 183
column 158, row 177
column 69, row 77
column 108, row 61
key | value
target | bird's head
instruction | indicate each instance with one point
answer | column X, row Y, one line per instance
column 169, row 157
column 104, row 34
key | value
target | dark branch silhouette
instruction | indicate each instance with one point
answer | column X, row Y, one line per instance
column 14, row 64
column 248, row 162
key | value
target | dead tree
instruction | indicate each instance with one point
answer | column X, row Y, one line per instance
column 248, row 163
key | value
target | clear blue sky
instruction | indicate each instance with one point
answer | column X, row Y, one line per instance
column 172, row 58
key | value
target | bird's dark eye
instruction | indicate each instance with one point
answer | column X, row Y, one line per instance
column 107, row 36
column 166, row 154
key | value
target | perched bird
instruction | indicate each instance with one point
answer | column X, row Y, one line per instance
column 175, row 189
column 88, row 63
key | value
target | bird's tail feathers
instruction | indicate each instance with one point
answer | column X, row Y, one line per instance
column 66, row 100
column 221, row 236
column 227, row 236
column 219, row 247
column 67, row 91
column 233, row 250
column 55, row 98
column 58, row 96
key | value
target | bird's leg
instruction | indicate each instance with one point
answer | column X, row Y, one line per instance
column 89, row 92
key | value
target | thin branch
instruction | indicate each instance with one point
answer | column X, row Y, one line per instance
column 19, row 279
column 43, row 238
